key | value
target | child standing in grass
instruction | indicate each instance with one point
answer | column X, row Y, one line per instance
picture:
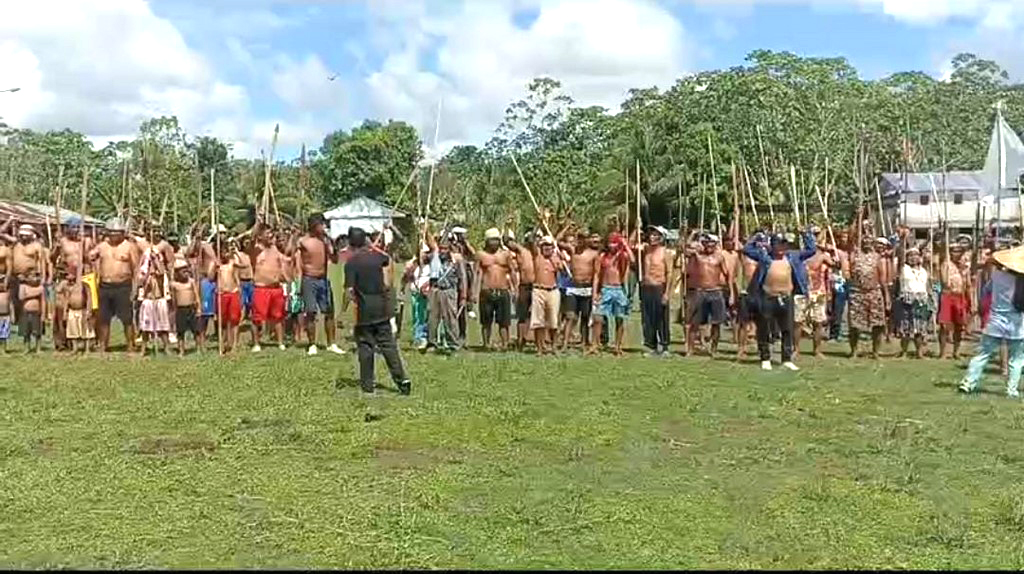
column 154, row 318
column 30, row 293
column 229, row 299
column 187, row 307
column 77, row 311
column 5, row 312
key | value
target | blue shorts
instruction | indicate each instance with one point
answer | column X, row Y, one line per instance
column 248, row 288
column 5, row 328
column 614, row 304
column 208, row 295
column 317, row 296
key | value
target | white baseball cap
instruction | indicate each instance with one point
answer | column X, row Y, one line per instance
column 492, row 233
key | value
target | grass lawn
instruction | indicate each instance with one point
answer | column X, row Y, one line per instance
column 503, row 461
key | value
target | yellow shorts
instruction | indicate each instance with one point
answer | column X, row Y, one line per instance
column 94, row 290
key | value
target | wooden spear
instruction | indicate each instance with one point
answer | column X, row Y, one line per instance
column 792, row 187
column 714, row 188
column 881, row 214
column 753, row 202
column 735, row 206
column 625, row 227
column 213, row 223
column 639, row 224
column 703, row 199
column 533, row 200
column 433, row 164
column 764, row 173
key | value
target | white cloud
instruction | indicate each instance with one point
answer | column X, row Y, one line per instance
column 598, row 49
column 101, row 67
column 307, row 85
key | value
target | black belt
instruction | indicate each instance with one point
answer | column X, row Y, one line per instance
column 545, row 288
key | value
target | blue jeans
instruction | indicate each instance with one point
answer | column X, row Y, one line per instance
column 989, row 348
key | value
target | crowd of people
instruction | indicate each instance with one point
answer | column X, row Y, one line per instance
column 562, row 290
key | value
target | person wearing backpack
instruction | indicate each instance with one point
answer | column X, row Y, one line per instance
column 1005, row 323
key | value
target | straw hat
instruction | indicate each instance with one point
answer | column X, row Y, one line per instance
column 1012, row 259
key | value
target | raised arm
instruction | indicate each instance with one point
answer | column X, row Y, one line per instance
column 810, row 245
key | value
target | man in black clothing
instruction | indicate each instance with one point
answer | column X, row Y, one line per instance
column 364, row 280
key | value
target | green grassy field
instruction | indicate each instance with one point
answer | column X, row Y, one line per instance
column 501, row 461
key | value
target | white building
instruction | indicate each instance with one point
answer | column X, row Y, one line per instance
column 922, row 201
column 362, row 212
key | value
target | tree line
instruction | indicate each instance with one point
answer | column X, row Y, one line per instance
column 779, row 130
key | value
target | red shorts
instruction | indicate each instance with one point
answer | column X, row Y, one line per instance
column 954, row 309
column 267, row 305
column 231, row 308
column 986, row 309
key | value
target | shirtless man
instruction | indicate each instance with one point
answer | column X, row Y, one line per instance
column 496, row 276
column 312, row 256
column 732, row 262
column 610, row 302
column 117, row 261
column 812, row 308
column 243, row 261
column 547, row 260
column 524, row 299
column 705, row 270
column 955, row 302
column 229, row 297
column 27, row 256
column 6, row 241
column 655, row 285
column 839, row 288
column 747, row 306
column 271, row 269
column 579, row 297
column 71, row 245
column 205, row 263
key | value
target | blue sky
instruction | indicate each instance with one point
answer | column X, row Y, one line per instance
column 234, row 68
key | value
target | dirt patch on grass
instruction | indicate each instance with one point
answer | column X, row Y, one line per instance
column 395, row 456
column 172, row 445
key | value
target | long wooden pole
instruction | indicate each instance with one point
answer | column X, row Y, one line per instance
column 714, row 188
column 625, row 227
column 735, row 206
column 793, row 194
column 213, row 219
column 881, row 214
column 753, row 202
column 679, row 202
column 433, row 165
column 703, row 199
column 639, row 224
column 533, row 200
column 764, row 173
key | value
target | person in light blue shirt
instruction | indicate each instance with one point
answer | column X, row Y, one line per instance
column 1005, row 323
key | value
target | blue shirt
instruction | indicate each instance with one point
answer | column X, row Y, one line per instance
column 796, row 261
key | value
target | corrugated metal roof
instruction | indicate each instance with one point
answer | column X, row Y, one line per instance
column 363, row 208
column 892, row 183
column 38, row 214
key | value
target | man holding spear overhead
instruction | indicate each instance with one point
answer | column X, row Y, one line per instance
column 314, row 252
column 707, row 304
column 118, row 265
